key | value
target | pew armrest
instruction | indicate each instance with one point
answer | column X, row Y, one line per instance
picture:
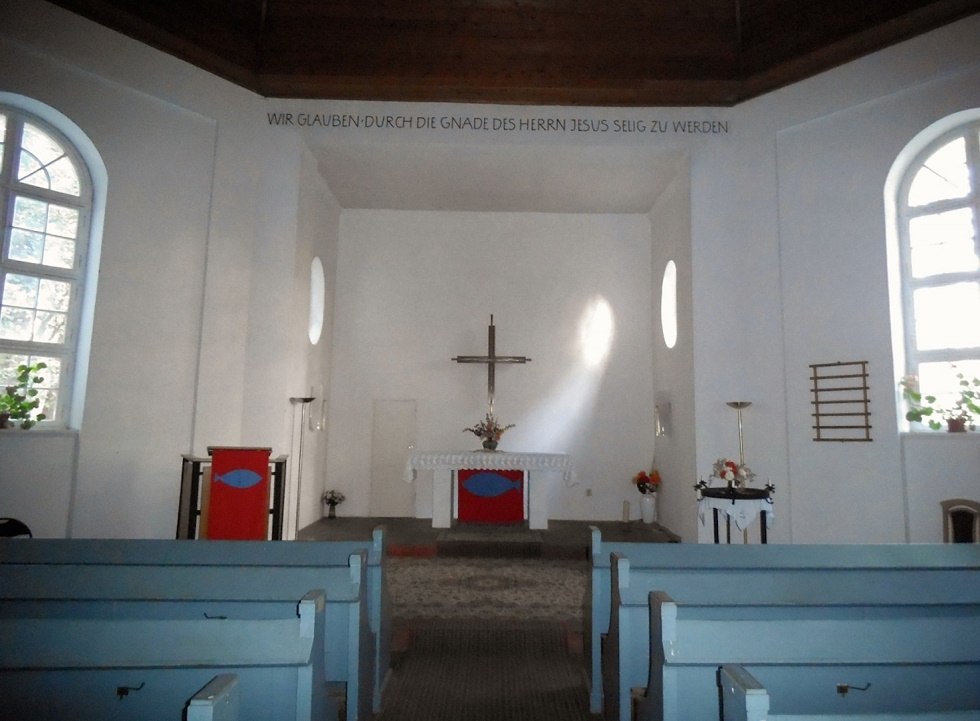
column 743, row 698
column 218, row 701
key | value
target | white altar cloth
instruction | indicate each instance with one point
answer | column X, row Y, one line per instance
column 541, row 470
column 744, row 511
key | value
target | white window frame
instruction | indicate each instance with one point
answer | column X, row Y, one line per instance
column 970, row 131
column 68, row 351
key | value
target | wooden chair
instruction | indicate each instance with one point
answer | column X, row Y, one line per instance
column 961, row 520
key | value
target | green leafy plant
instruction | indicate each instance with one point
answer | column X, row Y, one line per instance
column 21, row 398
column 925, row 409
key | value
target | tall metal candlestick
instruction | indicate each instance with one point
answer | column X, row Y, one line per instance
column 738, row 406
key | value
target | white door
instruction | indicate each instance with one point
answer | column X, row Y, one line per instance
column 392, row 441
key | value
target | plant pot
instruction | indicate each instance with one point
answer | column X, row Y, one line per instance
column 956, row 425
column 648, row 507
column 489, row 445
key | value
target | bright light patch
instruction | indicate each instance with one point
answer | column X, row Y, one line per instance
column 596, row 332
column 668, row 304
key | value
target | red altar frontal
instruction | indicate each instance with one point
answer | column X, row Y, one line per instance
column 490, row 496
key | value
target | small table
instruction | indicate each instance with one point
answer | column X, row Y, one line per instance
column 741, row 504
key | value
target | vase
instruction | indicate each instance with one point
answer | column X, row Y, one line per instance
column 648, row 507
column 331, row 511
column 489, row 445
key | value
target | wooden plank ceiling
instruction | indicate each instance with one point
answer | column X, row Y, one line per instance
column 545, row 52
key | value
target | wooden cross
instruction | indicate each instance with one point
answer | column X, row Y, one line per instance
column 491, row 359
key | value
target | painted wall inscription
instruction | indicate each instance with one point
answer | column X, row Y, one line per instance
column 501, row 124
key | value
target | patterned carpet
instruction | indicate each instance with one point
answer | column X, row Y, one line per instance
column 529, row 589
column 483, row 639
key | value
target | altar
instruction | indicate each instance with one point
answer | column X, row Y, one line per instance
column 542, row 471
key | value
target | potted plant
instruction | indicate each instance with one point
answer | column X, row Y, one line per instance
column 925, row 409
column 21, row 399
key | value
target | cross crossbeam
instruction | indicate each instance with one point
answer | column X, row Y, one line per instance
column 491, row 359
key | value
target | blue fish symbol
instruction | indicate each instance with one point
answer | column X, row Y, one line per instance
column 490, row 485
column 240, row 478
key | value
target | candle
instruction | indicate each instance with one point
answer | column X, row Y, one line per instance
column 626, row 511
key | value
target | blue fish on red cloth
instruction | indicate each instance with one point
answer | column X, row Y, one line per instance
column 240, row 478
column 490, row 485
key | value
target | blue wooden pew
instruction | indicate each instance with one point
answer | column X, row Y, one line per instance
column 186, row 579
column 137, row 668
column 915, row 658
column 768, row 575
column 743, row 698
column 305, row 554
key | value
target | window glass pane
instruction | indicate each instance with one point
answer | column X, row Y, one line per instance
column 939, row 379
column 32, row 218
column 944, row 175
column 48, row 388
column 43, row 162
column 26, row 246
column 30, row 214
column 16, row 323
column 59, row 252
column 50, row 327
column 946, row 316
column 53, row 295
column 62, row 221
column 20, row 290
column 943, row 243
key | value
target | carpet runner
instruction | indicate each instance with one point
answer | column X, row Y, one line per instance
column 487, row 671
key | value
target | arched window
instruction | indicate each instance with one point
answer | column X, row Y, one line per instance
column 46, row 200
column 938, row 224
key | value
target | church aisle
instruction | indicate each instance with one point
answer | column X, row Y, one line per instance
column 487, row 639
column 487, row 670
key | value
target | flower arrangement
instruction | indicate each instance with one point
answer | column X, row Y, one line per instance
column 734, row 473
column 332, row 499
column 489, row 430
column 647, row 482
column 924, row 409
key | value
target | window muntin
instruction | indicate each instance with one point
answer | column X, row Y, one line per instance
column 46, row 203
column 939, row 225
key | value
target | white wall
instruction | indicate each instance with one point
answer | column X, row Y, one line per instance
column 213, row 216
column 191, row 226
column 416, row 289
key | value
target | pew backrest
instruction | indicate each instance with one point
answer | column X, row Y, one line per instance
column 183, row 584
column 905, row 653
column 52, row 663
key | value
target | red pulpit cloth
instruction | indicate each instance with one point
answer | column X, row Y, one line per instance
column 238, row 502
column 490, row 496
